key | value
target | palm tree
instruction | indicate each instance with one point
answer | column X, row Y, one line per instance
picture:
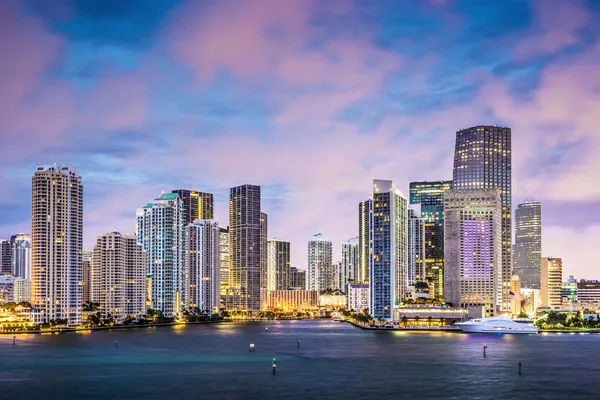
column 404, row 320
column 417, row 319
column 429, row 319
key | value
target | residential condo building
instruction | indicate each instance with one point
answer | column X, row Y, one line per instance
column 278, row 265
column 365, row 214
column 21, row 256
column 350, row 265
column 551, row 290
column 320, row 273
column 196, row 205
column 297, row 278
column 527, row 250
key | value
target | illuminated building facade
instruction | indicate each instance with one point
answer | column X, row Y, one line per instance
column 5, row 257
column 202, row 266
column 263, row 258
column 430, row 197
column 118, row 276
column 297, row 278
column 293, row 300
column 161, row 232
column 473, row 251
column 350, row 264
column 358, row 297
column 224, row 256
column 320, row 265
column 278, row 265
column 527, row 250
column 551, row 290
column 483, row 160
column 365, row 211
column 22, row 290
column 21, row 256
column 86, row 258
column 416, row 248
column 245, row 232
column 389, row 261
column 56, row 243
column 196, row 205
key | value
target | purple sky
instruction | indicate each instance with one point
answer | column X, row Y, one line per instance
column 310, row 99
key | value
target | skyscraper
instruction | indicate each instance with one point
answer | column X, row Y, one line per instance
column 482, row 160
column 118, row 276
column 473, row 237
column 21, row 256
column 196, row 205
column 365, row 213
column 430, row 197
column 389, row 261
column 416, row 248
column 245, row 231
column 202, row 265
column 350, row 267
column 278, row 265
column 161, row 232
column 5, row 257
column 297, row 278
column 320, row 273
column 551, row 290
column 263, row 259
column 86, row 258
column 224, row 256
column 56, row 242
column 527, row 250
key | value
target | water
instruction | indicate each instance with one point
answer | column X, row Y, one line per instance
column 335, row 360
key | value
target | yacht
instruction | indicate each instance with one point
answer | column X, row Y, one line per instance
column 500, row 324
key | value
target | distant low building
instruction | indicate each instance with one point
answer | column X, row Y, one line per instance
column 293, row 300
column 430, row 315
column 332, row 301
column 588, row 292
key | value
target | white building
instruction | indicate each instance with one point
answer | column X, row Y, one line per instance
column 160, row 231
column 350, row 266
column 22, row 290
column 416, row 247
column 358, row 297
column 56, row 243
column 389, row 256
column 21, row 256
column 203, row 265
column 320, row 265
column 118, row 276
column 472, row 248
column 278, row 265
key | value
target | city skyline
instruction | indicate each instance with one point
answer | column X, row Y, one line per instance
column 60, row 109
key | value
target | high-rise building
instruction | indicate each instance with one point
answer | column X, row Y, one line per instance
column 56, row 243
column 263, row 259
column 416, row 248
column 358, row 297
column 339, row 276
column 245, row 231
column 86, row 258
column 297, row 278
column 472, row 250
column 365, row 213
column 515, row 290
column 161, row 232
column 551, row 290
column 202, row 265
column 430, row 197
column 350, row 266
column 196, row 205
column 5, row 257
column 483, row 160
column 389, row 261
column 527, row 250
column 224, row 256
column 278, row 265
column 320, row 264
column 588, row 292
column 21, row 256
column 22, row 290
column 118, row 276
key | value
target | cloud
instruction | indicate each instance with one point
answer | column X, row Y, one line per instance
column 560, row 242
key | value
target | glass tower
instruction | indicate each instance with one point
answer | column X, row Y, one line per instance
column 482, row 160
column 196, row 205
column 365, row 209
column 527, row 250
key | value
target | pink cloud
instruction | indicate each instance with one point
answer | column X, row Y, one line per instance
column 556, row 27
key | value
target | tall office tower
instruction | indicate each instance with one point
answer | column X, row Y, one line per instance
column 416, row 248
column 278, row 265
column 551, row 290
column 320, row 265
column 263, row 260
column 202, row 265
column 297, row 278
column 527, row 250
column 224, row 256
column 161, row 232
column 86, row 258
column 350, row 267
column 389, row 261
column 473, row 249
column 21, row 256
column 365, row 213
column 56, row 242
column 196, row 205
column 118, row 276
column 430, row 196
column 245, row 240
column 482, row 160
column 5, row 257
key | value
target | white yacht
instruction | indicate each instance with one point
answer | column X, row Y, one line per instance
column 500, row 324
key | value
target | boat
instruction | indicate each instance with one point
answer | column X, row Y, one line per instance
column 500, row 324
